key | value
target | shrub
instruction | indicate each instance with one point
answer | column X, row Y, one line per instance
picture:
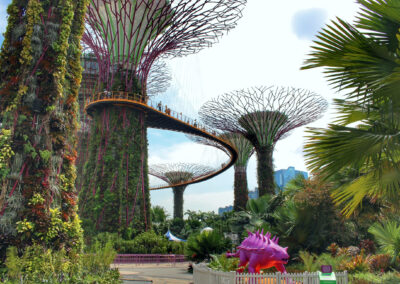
column 40, row 265
column 368, row 246
column 222, row 263
column 333, row 248
column 379, row 262
column 371, row 278
column 200, row 246
column 356, row 264
column 313, row 262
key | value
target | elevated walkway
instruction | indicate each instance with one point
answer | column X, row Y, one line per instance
column 161, row 117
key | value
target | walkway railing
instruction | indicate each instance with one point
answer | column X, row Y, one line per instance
column 148, row 258
column 138, row 98
column 202, row 274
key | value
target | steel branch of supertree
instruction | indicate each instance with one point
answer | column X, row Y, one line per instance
column 128, row 36
column 237, row 140
column 176, row 173
column 263, row 114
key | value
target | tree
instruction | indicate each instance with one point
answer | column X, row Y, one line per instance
column 40, row 74
column 388, row 237
column 363, row 60
column 263, row 115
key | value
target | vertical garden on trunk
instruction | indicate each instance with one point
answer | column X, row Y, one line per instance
column 40, row 73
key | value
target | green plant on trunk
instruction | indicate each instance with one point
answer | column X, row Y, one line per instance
column 40, row 75
column 114, row 192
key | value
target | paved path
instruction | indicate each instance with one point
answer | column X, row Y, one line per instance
column 155, row 273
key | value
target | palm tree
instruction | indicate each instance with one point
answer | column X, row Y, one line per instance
column 387, row 236
column 362, row 59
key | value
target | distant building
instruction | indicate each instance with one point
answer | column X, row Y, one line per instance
column 282, row 177
column 253, row 194
column 222, row 210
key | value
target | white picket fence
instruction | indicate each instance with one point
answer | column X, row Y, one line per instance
column 202, row 274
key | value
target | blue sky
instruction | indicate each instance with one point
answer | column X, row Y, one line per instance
column 267, row 47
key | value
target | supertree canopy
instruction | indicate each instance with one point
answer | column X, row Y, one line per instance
column 126, row 38
column 177, row 175
column 245, row 150
column 263, row 115
column 40, row 74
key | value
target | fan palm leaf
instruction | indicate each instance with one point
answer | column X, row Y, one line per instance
column 365, row 63
column 387, row 236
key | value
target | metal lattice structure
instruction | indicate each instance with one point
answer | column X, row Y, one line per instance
column 159, row 78
column 127, row 36
column 177, row 175
column 245, row 150
column 263, row 115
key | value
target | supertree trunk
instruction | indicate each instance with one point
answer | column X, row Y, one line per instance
column 115, row 185
column 241, row 192
column 40, row 77
column 245, row 150
column 178, row 201
column 265, row 170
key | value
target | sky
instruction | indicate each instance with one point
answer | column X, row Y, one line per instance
column 268, row 47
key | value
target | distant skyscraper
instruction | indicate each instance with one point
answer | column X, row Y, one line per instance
column 253, row 194
column 282, row 177
column 222, row 210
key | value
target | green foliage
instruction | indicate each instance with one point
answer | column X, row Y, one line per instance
column 313, row 262
column 45, row 155
column 201, row 246
column 39, row 265
column 222, row 263
column 109, row 184
column 98, row 258
column 387, row 235
column 146, row 243
column 158, row 214
column 6, row 152
column 371, row 278
column 308, row 260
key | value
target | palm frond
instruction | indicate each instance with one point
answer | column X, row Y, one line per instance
column 364, row 65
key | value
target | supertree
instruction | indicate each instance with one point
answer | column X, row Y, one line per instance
column 127, row 37
column 263, row 115
column 245, row 150
column 177, row 175
column 40, row 74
